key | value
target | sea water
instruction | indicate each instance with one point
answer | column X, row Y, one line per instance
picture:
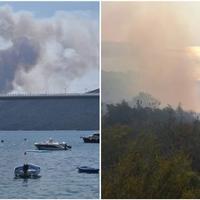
column 59, row 174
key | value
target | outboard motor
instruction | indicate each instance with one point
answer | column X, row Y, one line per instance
column 25, row 169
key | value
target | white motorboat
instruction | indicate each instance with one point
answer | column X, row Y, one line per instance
column 52, row 145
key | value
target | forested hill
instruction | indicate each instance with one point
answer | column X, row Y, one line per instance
column 153, row 152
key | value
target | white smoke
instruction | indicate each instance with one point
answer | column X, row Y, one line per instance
column 158, row 44
column 45, row 54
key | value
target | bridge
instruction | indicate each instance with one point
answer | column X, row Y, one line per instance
column 63, row 111
column 47, row 95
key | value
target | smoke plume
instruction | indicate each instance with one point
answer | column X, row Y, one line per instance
column 41, row 54
column 161, row 46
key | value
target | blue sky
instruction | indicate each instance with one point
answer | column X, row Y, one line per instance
column 47, row 9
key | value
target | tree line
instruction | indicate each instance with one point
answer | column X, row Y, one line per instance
column 150, row 152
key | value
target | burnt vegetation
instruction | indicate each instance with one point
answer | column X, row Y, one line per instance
column 150, row 152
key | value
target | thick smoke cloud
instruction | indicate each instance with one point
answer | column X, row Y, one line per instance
column 41, row 54
column 155, row 41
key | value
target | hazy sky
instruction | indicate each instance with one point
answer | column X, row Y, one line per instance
column 159, row 44
column 49, row 46
column 48, row 9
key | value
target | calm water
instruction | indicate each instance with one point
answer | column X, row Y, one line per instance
column 60, row 178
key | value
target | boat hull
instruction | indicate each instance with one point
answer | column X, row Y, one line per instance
column 89, row 140
column 88, row 170
column 52, row 147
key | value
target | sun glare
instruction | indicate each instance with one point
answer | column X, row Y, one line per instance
column 194, row 51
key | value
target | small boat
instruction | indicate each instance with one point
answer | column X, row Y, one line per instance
column 88, row 170
column 51, row 145
column 27, row 171
column 92, row 138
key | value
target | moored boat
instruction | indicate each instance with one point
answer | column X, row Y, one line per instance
column 88, row 170
column 92, row 138
column 27, row 171
column 51, row 145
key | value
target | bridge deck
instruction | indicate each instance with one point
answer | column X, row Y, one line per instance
column 47, row 96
